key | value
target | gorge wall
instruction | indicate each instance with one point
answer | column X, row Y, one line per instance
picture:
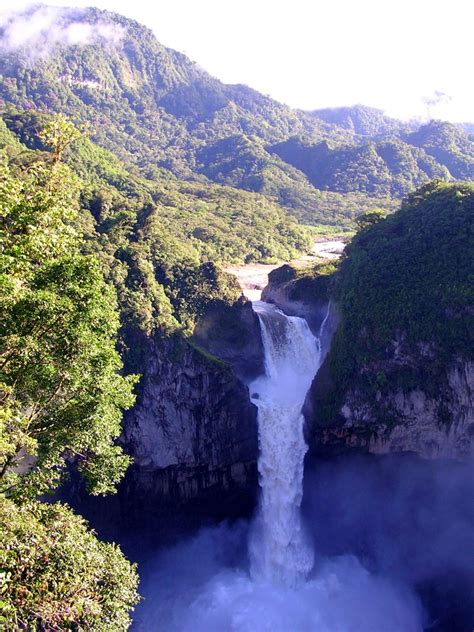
column 382, row 414
column 192, row 433
column 395, row 419
column 399, row 374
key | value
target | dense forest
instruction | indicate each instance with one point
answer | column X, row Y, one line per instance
column 128, row 178
column 164, row 117
column 405, row 290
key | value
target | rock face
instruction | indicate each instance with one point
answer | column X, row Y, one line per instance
column 399, row 375
column 404, row 413
column 232, row 333
column 430, row 424
column 298, row 295
column 192, row 434
column 392, row 417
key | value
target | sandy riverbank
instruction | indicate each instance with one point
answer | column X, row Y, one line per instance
column 253, row 277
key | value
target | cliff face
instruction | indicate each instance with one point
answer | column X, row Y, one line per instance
column 300, row 294
column 396, row 419
column 192, row 434
column 232, row 333
column 399, row 375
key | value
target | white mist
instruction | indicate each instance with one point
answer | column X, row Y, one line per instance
column 205, row 585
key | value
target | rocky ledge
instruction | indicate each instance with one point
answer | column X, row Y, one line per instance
column 299, row 294
column 192, row 435
column 392, row 418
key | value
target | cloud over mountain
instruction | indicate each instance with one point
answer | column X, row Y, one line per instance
column 40, row 29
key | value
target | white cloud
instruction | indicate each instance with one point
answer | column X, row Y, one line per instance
column 315, row 53
column 39, row 30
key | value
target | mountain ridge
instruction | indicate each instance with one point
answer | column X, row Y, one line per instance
column 156, row 109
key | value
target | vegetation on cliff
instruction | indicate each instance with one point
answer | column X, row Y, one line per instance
column 412, row 271
column 405, row 291
column 61, row 401
column 89, row 262
column 309, row 287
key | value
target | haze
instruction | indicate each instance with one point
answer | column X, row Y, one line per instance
column 412, row 59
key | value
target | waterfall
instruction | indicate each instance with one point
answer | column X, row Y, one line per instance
column 203, row 583
column 279, row 550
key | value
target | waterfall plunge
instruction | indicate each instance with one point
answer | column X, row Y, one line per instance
column 195, row 591
column 278, row 548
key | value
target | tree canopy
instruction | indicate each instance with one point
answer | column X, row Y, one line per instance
column 62, row 394
column 61, row 400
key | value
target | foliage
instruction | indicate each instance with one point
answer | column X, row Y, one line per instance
column 368, row 219
column 448, row 145
column 361, row 120
column 61, row 399
column 413, row 270
column 56, row 575
column 405, row 288
column 194, row 291
column 165, row 118
column 58, row 134
column 61, row 392
column 148, row 235
column 389, row 167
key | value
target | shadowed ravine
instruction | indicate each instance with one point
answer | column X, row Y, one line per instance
column 262, row 576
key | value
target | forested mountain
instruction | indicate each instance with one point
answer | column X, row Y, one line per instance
column 448, row 145
column 361, row 120
column 389, row 167
column 163, row 116
column 128, row 177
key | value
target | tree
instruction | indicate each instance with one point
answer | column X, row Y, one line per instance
column 58, row 134
column 368, row 219
column 56, row 575
column 61, row 392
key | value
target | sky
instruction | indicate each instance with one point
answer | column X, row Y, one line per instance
column 411, row 58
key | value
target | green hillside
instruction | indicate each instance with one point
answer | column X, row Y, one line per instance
column 405, row 292
column 157, row 111
column 389, row 167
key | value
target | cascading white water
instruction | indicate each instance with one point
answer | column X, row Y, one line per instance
column 278, row 548
column 195, row 590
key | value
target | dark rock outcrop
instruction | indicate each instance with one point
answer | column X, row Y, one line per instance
column 394, row 419
column 232, row 333
column 192, row 435
column 193, row 438
column 298, row 294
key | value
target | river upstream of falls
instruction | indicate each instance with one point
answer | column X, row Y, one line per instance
column 265, row 575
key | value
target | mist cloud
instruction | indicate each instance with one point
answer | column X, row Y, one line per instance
column 39, row 30
column 203, row 585
column 394, row 545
